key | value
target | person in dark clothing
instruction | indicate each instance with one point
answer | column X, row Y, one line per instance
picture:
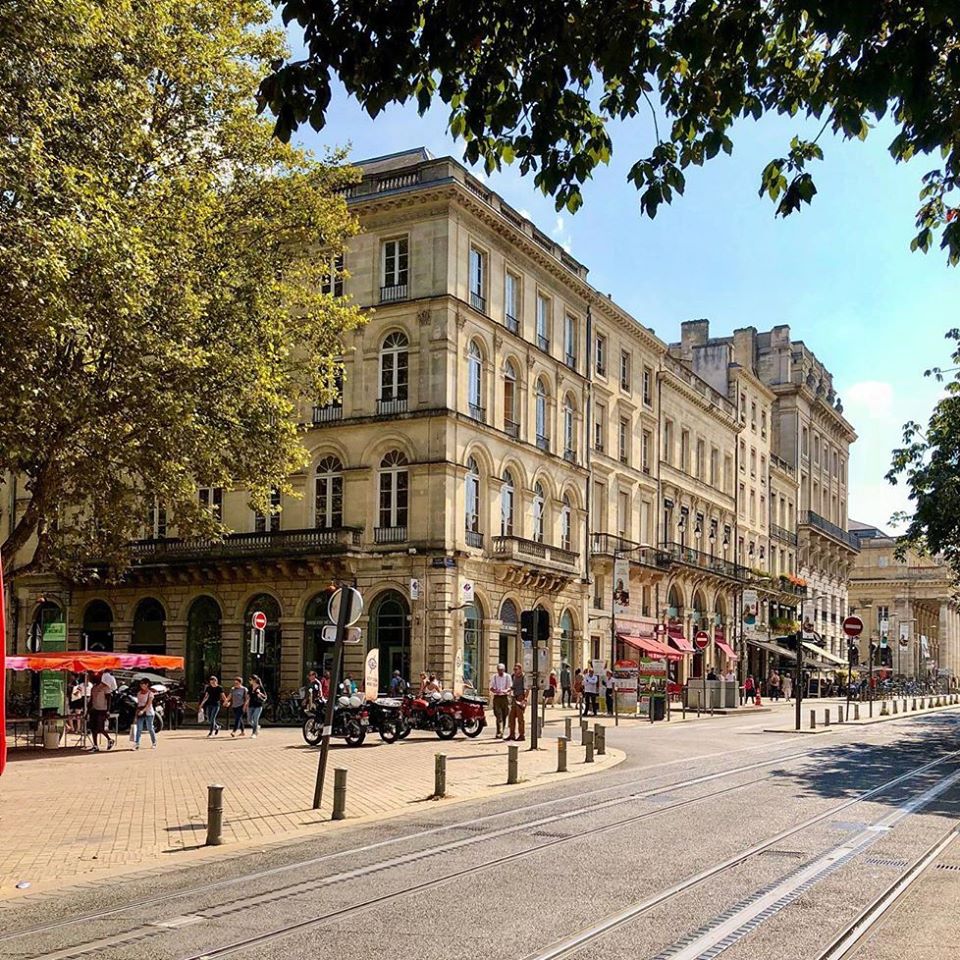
column 210, row 703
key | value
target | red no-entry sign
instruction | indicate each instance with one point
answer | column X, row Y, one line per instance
column 259, row 620
column 702, row 639
column 853, row 626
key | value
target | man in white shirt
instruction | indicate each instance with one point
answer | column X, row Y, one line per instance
column 591, row 687
column 500, row 684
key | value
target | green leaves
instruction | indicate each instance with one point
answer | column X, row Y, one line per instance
column 161, row 258
column 517, row 81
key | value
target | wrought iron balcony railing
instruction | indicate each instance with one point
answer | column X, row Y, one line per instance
column 830, row 529
column 234, row 545
column 781, row 533
column 521, row 549
column 680, row 553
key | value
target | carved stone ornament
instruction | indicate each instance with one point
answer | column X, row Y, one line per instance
column 497, row 341
column 461, row 320
column 423, row 317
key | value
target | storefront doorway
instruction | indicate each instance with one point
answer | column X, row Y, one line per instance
column 390, row 633
column 267, row 664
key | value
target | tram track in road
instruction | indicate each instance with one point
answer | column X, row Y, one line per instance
column 851, row 938
column 569, row 946
column 145, row 931
column 473, row 826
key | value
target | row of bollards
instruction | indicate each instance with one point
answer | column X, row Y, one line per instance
column 891, row 708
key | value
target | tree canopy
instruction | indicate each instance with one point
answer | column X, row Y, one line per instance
column 541, row 84
column 929, row 464
column 162, row 258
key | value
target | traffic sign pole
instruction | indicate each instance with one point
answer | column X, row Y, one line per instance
column 343, row 614
column 852, row 627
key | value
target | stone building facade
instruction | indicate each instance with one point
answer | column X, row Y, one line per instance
column 911, row 603
column 505, row 434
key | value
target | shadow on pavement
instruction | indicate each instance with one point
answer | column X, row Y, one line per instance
column 849, row 770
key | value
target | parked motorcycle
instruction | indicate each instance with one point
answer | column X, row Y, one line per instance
column 473, row 717
column 350, row 721
column 385, row 717
column 438, row 712
column 124, row 705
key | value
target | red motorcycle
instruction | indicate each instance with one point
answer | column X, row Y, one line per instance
column 473, row 716
column 437, row 712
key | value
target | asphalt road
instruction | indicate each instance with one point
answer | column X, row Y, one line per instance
column 712, row 838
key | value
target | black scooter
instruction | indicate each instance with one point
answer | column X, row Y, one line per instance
column 350, row 721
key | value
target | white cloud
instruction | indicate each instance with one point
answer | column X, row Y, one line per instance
column 869, row 398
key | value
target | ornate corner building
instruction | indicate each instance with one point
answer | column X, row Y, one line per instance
column 504, row 435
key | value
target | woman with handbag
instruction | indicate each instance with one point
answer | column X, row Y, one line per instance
column 145, row 714
column 211, row 701
column 256, row 701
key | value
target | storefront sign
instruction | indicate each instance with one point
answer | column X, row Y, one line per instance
column 750, row 612
column 625, row 674
column 371, row 678
column 807, row 629
column 621, row 589
column 458, row 674
column 414, row 589
column 51, row 681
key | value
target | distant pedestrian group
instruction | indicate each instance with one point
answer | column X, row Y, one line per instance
column 245, row 703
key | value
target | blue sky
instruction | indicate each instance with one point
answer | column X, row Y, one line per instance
column 840, row 273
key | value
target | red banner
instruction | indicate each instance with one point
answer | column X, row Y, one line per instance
column 3, row 675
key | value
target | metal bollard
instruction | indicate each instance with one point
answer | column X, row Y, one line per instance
column 826, row 717
column 562, row 755
column 567, row 727
column 600, row 739
column 513, row 753
column 913, row 704
column 904, row 710
column 584, row 727
column 588, row 743
column 883, row 709
column 214, row 814
column 813, row 719
column 856, row 711
column 839, row 714
column 339, row 793
column 440, row 775
column 895, row 707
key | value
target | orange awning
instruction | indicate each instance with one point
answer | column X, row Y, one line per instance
column 726, row 648
column 681, row 642
column 652, row 648
column 82, row 661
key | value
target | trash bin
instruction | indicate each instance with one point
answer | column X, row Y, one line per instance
column 658, row 706
column 51, row 734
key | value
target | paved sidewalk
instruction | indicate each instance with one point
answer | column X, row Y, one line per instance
column 69, row 816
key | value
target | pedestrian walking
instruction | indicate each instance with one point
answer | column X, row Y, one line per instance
column 500, row 687
column 518, row 688
column 566, row 684
column 591, row 690
column 256, row 701
column 787, row 687
column 239, row 700
column 578, row 689
column 99, row 711
column 550, row 690
column 397, row 685
column 773, row 685
column 749, row 689
column 312, row 689
column 145, row 714
column 211, row 702
column 609, row 688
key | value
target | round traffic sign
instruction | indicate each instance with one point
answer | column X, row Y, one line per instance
column 354, row 609
column 853, row 626
column 702, row 639
column 259, row 620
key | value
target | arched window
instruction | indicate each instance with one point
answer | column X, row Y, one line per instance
column 543, row 431
column 569, row 430
column 328, row 494
column 471, row 490
column 475, row 381
column 511, row 415
column 98, row 626
column 566, row 636
column 394, row 368
column 203, row 644
column 506, row 504
column 509, row 633
column 394, row 490
column 566, row 524
column 539, row 508
column 149, row 628
column 472, row 644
